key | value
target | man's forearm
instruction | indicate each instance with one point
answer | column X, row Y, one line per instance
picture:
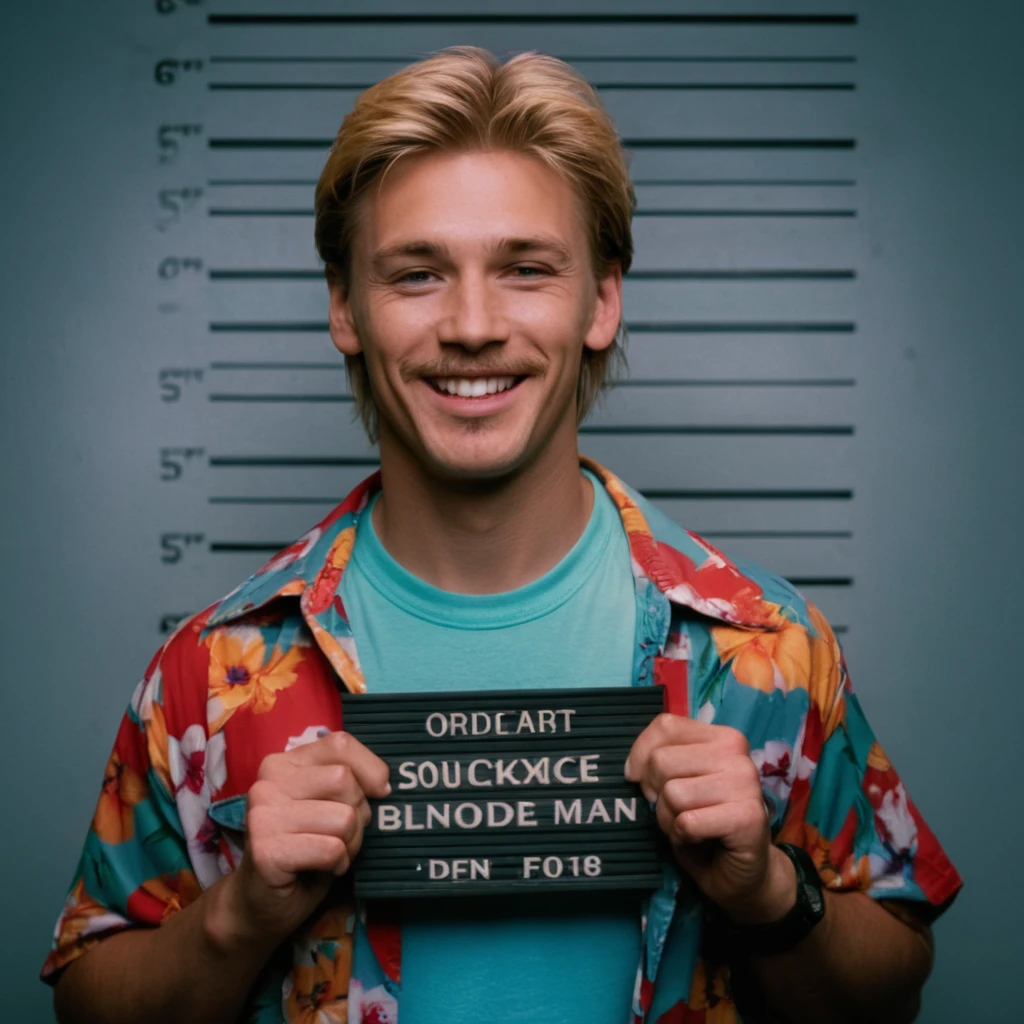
column 190, row 968
column 860, row 964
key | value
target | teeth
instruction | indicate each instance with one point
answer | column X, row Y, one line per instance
column 473, row 387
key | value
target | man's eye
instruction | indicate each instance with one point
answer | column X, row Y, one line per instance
column 528, row 272
column 414, row 277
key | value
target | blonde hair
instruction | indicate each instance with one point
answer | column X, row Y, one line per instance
column 464, row 99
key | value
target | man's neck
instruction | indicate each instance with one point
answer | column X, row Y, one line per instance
column 483, row 538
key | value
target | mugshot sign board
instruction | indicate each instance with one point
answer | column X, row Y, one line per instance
column 501, row 791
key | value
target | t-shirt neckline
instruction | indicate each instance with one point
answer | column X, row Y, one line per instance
column 487, row 611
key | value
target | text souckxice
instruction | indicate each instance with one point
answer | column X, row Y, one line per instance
column 483, row 772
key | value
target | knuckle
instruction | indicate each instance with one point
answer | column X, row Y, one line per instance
column 665, row 722
column 270, row 766
column 674, row 793
column 341, row 777
column 660, row 761
column 341, row 743
column 736, row 740
column 347, row 818
column 259, row 820
column 261, row 792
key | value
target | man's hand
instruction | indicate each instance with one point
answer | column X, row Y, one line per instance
column 307, row 812
column 709, row 803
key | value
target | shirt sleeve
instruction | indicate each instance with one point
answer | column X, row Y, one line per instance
column 135, row 868
column 847, row 806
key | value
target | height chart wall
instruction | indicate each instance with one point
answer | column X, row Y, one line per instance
column 739, row 413
column 824, row 350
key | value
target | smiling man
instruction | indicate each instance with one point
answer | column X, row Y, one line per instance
column 474, row 221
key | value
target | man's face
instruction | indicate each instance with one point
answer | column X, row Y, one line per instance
column 472, row 296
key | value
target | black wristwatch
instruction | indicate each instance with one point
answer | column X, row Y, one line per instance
column 778, row 936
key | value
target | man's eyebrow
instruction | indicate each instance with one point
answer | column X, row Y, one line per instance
column 414, row 247
column 512, row 246
column 537, row 243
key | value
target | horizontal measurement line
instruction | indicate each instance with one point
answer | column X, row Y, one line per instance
column 763, row 495
column 596, row 58
column 242, row 211
column 747, row 182
column 543, row 18
column 690, row 182
column 296, row 211
column 776, row 534
column 638, row 143
column 665, row 495
column 289, row 461
column 237, row 182
column 233, row 547
column 276, row 366
column 217, row 397
column 228, row 500
column 647, row 327
column 815, row 581
column 643, row 212
column 268, row 326
column 634, row 275
column 748, row 327
column 666, row 382
column 601, row 86
column 729, row 431
column 830, row 382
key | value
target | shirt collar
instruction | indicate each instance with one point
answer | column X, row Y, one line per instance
column 684, row 567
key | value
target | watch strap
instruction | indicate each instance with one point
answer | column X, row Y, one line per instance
column 796, row 925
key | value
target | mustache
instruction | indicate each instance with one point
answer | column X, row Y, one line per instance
column 483, row 367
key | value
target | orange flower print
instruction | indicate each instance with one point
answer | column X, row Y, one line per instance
column 123, row 788
column 159, row 898
column 242, row 676
column 787, row 657
column 80, row 922
column 316, row 991
column 780, row 658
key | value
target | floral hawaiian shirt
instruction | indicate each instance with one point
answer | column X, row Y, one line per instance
column 260, row 672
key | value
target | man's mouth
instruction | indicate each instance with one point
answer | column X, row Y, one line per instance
column 473, row 387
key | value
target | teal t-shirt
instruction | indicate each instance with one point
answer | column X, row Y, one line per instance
column 573, row 626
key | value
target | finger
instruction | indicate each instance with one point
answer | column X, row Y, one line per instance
column 675, row 730
column 685, row 794
column 280, row 859
column 702, row 759
column 311, row 782
column 343, row 748
column 736, row 825
column 290, row 817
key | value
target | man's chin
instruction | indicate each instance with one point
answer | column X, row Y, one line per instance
column 489, row 460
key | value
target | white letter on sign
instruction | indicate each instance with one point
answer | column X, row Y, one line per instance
column 574, row 812
column 525, row 811
column 407, row 769
column 438, row 869
column 389, row 818
column 440, row 725
column 492, row 808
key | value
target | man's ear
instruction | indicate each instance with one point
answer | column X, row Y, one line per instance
column 341, row 320
column 607, row 310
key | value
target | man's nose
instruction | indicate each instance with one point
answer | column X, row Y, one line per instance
column 475, row 316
